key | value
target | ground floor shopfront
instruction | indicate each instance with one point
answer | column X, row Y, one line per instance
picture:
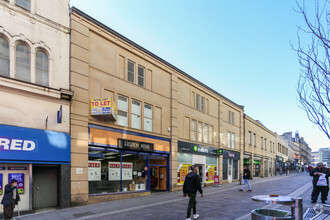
column 205, row 157
column 231, row 165
column 260, row 166
column 123, row 162
column 40, row 161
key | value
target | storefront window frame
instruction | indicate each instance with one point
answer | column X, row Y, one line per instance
column 147, row 165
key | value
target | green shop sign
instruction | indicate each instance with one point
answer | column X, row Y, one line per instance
column 186, row 147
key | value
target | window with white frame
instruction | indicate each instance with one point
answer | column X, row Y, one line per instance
column 254, row 139
column 23, row 62
column 249, row 138
column 24, row 4
column 147, row 119
column 203, row 104
column 198, row 101
column 200, row 132
column 4, row 57
column 233, row 140
column 229, row 139
column 42, row 70
column 122, row 108
column 211, row 135
column 141, row 76
column 231, row 117
column 131, row 71
column 193, row 130
column 136, row 114
column 206, row 133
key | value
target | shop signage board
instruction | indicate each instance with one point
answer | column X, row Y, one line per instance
column 127, row 171
column 231, row 154
column 29, row 145
column 104, row 107
column 16, row 168
column 20, row 181
column 114, row 171
column 1, row 183
column 216, row 180
column 135, row 145
column 186, row 147
column 94, row 170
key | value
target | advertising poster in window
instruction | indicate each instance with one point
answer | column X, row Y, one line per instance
column 127, row 171
column 114, row 171
column 0, row 183
column 210, row 173
column 183, row 173
column 20, row 181
column 94, row 170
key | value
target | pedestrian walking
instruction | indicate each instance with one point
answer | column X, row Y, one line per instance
column 246, row 177
column 320, row 176
column 10, row 199
column 191, row 185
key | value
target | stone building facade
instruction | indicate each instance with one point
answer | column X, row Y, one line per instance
column 35, row 101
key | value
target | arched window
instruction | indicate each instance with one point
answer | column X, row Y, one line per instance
column 23, row 62
column 4, row 57
column 42, row 70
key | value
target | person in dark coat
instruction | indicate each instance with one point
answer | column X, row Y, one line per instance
column 246, row 177
column 10, row 199
column 316, row 173
column 191, row 185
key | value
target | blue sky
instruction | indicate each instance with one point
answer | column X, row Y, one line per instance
column 240, row 48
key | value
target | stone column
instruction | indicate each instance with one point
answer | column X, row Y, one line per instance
column 79, row 110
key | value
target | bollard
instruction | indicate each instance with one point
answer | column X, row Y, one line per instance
column 297, row 209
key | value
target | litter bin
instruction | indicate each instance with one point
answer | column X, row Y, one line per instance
column 267, row 214
column 296, row 205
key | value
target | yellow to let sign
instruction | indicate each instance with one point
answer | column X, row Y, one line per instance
column 105, row 107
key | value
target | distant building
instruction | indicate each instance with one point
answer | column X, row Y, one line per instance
column 324, row 155
column 302, row 153
column 315, row 158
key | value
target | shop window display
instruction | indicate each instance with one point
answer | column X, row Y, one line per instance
column 110, row 172
column 134, row 172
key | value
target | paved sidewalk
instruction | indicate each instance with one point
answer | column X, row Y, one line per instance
column 173, row 201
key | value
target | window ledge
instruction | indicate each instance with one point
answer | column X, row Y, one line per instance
column 29, row 87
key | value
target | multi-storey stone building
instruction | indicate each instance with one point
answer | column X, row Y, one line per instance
column 35, row 101
column 181, row 120
column 259, row 148
column 282, row 155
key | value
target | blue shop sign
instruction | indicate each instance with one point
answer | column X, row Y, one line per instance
column 26, row 145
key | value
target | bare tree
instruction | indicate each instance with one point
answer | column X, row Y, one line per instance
column 314, row 82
